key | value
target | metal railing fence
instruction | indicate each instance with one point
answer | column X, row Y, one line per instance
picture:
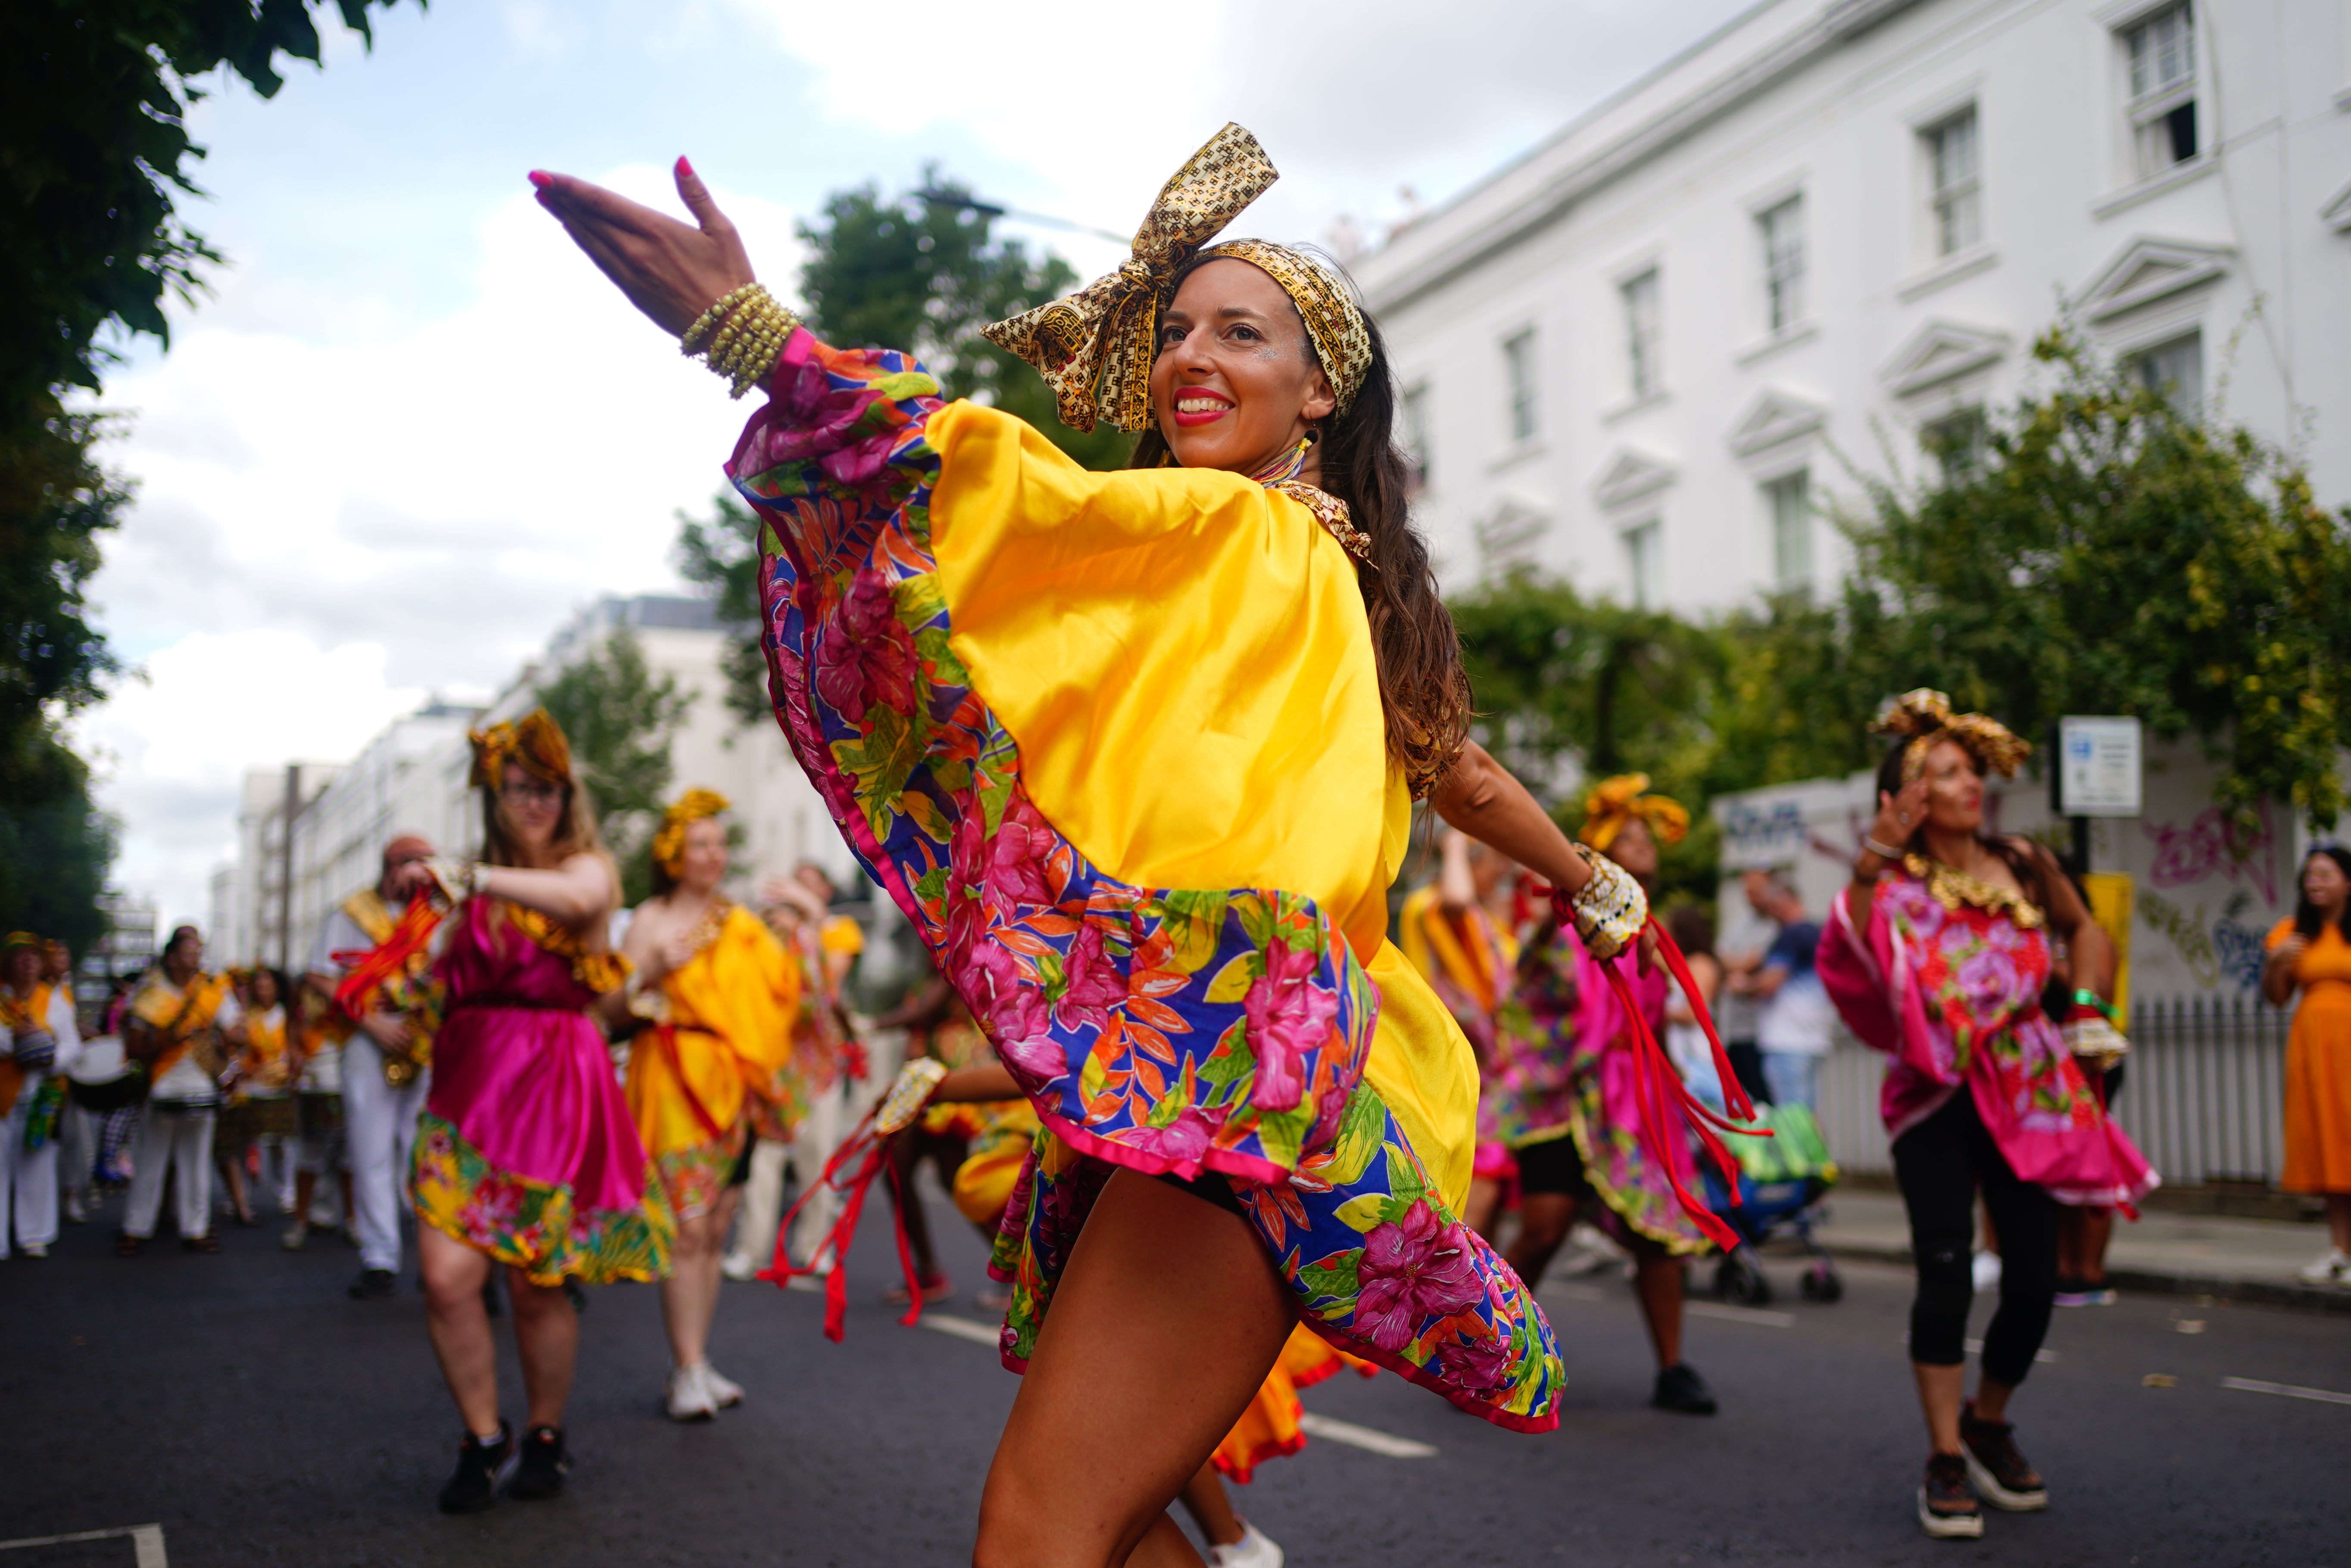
column 2202, row 1097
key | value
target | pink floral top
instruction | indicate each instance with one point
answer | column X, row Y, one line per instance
column 1946, row 980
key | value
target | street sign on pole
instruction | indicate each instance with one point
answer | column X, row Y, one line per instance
column 2098, row 767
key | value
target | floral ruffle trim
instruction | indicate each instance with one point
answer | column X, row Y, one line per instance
column 694, row 1177
column 533, row 1224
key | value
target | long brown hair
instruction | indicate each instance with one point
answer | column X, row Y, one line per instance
column 1424, row 690
column 575, row 832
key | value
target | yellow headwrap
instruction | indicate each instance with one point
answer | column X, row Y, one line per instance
column 1095, row 347
column 535, row 743
column 1926, row 716
column 1617, row 801
column 15, row 939
column 668, row 844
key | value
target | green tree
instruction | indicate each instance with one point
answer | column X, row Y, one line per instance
column 56, row 846
column 620, row 720
column 720, row 555
column 2112, row 555
column 55, row 502
column 925, row 277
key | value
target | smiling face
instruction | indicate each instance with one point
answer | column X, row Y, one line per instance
column 2324, row 884
column 1237, row 381
column 528, row 808
column 23, row 970
column 1955, row 789
column 702, row 858
column 265, row 990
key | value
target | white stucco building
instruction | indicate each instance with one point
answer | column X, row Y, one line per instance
column 1637, row 356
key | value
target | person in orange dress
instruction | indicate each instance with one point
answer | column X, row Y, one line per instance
column 2308, row 953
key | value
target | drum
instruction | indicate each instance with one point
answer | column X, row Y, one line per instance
column 102, row 1079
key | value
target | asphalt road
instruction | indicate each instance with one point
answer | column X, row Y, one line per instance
column 245, row 1405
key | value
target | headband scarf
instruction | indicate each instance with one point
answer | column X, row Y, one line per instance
column 534, row 743
column 1095, row 347
column 668, row 844
column 1620, row 800
column 1924, row 715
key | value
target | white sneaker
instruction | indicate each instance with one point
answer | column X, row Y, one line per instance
column 1986, row 1272
column 35, row 1249
column 739, row 1266
column 76, row 1214
column 2333, row 1269
column 806, row 1283
column 723, row 1390
column 1253, row 1550
column 689, row 1397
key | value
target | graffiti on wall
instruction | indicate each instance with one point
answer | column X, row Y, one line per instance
column 2209, row 846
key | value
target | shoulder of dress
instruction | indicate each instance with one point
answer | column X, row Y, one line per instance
column 2280, row 932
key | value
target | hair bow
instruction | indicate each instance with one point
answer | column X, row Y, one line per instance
column 1924, row 715
column 535, row 743
column 1615, row 801
column 668, row 844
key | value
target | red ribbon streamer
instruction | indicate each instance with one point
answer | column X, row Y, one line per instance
column 871, row 1154
column 388, row 959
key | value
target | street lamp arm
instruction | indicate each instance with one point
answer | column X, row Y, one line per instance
column 939, row 198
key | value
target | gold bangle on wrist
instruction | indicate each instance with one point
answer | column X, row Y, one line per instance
column 751, row 331
column 1609, row 910
column 1892, row 857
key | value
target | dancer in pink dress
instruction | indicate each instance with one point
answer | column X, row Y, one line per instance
column 527, row 1155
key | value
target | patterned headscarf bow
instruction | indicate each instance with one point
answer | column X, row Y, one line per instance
column 1095, row 347
column 1615, row 802
column 535, row 743
column 668, row 844
column 1924, row 715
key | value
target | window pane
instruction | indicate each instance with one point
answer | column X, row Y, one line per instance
column 1640, row 332
column 1518, row 357
column 2162, row 52
column 1641, row 565
column 1791, row 529
column 2175, row 370
column 1784, row 263
column 1957, row 194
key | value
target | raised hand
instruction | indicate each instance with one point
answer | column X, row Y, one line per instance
column 1900, row 815
column 671, row 271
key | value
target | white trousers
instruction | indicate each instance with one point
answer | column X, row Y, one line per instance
column 78, row 1148
column 180, row 1144
column 380, row 1135
column 29, row 1182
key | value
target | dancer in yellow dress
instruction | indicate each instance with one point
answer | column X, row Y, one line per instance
column 718, row 998
column 1136, row 755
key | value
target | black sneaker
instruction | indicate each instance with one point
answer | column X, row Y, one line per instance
column 482, row 1472
column 1680, row 1389
column 545, row 1462
column 1999, row 1471
column 373, row 1286
column 1947, row 1508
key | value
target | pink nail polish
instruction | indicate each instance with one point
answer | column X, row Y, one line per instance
column 684, row 169
column 541, row 178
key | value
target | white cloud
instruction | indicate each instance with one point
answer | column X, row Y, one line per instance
column 326, row 529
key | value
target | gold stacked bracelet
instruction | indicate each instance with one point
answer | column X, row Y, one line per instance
column 745, row 329
column 1610, row 910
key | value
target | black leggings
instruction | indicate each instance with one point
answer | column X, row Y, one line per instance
column 1939, row 1163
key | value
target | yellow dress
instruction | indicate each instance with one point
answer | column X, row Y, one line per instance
column 725, row 1040
column 1113, row 742
column 2318, row 1065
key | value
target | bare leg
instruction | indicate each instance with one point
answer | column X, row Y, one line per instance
column 690, row 1294
column 1544, row 1220
column 1657, row 1280
column 906, row 1158
column 232, row 1169
column 1940, row 1392
column 2338, row 1220
column 454, row 1276
column 1484, row 1210
column 1205, row 1499
column 1167, row 1319
column 546, row 1339
column 305, row 1187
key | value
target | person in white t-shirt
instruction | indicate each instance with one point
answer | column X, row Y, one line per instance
column 38, row 1041
column 172, row 1030
column 1795, row 1019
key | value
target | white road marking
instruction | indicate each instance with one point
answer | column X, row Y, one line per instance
column 1327, row 1427
column 146, row 1543
column 1756, row 1316
column 972, row 1329
column 1975, row 1347
column 2251, row 1385
column 1364, row 1437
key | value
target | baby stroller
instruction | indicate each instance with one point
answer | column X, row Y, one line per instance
column 1781, row 1179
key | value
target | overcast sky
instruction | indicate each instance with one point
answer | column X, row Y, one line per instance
column 412, row 430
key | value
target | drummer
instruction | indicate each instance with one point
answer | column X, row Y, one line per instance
column 37, row 1019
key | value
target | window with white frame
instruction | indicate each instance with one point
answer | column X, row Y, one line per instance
column 1643, row 563
column 1640, row 332
column 1519, row 363
column 1416, row 435
column 1781, row 229
column 1957, row 443
column 1789, row 501
column 1955, row 185
column 2175, row 371
column 2162, row 50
